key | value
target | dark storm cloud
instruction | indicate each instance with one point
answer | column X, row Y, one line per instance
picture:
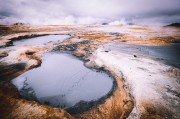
column 89, row 11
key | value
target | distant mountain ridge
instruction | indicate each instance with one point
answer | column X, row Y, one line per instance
column 174, row 24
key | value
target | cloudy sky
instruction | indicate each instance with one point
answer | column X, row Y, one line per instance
column 89, row 11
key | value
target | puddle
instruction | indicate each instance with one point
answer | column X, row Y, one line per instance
column 63, row 81
column 41, row 40
column 167, row 54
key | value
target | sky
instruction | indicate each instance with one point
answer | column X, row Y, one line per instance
column 146, row 12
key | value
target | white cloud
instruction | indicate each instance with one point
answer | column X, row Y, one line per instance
column 88, row 11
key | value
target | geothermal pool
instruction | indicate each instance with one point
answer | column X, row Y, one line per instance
column 63, row 81
column 41, row 40
column 166, row 54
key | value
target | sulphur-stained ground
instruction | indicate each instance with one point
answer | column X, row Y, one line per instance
column 146, row 87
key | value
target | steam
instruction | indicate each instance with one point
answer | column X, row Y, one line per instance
column 89, row 11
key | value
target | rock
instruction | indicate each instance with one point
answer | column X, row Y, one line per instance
column 29, row 53
column 3, row 54
column 18, row 24
column 104, row 23
column 79, row 53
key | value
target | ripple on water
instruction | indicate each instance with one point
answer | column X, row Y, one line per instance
column 166, row 54
column 41, row 40
column 63, row 81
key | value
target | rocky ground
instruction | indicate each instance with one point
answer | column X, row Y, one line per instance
column 146, row 88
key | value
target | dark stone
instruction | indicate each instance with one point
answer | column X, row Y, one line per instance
column 4, row 54
column 30, row 53
column 104, row 23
